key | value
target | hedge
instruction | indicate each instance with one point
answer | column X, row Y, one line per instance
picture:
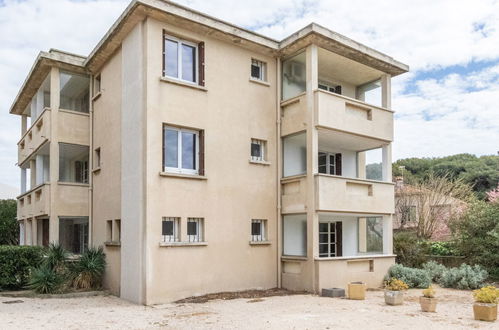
column 15, row 264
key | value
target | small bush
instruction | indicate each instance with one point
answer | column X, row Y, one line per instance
column 410, row 251
column 429, row 292
column 56, row 258
column 442, row 249
column 45, row 279
column 395, row 284
column 89, row 269
column 434, row 269
column 464, row 277
column 15, row 265
column 413, row 277
column 487, row 295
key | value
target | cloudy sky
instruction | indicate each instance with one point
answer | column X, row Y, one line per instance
column 447, row 104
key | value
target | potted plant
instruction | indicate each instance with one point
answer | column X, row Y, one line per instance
column 393, row 291
column 357, row 290
column 428, row 301
column 485, row 307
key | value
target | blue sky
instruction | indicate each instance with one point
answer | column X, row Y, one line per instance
column 447, row 104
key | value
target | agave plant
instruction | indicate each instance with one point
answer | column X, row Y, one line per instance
column 56, row 258
column 89, row 269
column 45, row 279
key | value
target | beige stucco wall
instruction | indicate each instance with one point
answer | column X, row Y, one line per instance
column 231, row 111
column 107, row 180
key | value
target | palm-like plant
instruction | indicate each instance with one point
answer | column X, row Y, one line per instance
column 56, row 258
column 89, row 269
column 45, row 279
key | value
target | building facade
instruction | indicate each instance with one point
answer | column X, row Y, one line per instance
column 205, row 157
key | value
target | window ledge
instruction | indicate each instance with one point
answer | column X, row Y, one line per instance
column 298, row 258
column 74, row 112
column 95, row 170
column 177, row 244
column 259, row 162
column 365, row 256
column 62, row 183
column 183, row 176
column 96, row 96
column 182, row 83
column 109, row 243
column 260, row 242
column 257, row 81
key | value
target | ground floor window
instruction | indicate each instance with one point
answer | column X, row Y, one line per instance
column 330, row 239
column 195, row 229
column 294, row 229
column 171, row 229
column 370, row 234
column 73, row 234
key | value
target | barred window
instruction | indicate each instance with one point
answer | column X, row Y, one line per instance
column 171, row 229
column 258, row 230
column 195, row 229
column 258, row 150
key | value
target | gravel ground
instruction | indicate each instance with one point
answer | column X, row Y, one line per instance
column 276, row 312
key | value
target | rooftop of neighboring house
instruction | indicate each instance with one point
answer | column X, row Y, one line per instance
column 195, row 21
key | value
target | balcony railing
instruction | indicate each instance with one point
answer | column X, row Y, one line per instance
column 35, row 136
column 35, row 202
column 346, row 114
column 340, row 194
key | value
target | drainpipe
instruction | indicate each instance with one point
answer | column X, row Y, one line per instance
column 91, row 165
column 279, row 172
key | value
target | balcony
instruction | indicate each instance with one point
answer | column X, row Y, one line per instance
column 72, row 199
column 38, row 133
column 346, row 114
column 341, row 194
column 35, row 202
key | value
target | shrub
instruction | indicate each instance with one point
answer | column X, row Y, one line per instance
column 9, row 228
column 414, row 278
column 410, row 251
column 434, row 269
column 429, row 292
column 15, row 265
column 56, row 258
column 442, row 249
column 395, row 284
column 464, row 277
column 45, row 279
column 487, row 295
column 89, row 269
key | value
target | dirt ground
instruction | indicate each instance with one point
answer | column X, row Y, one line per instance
column 266, row 311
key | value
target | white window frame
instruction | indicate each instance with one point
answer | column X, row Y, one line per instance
column 331, row 229
column 199, row 237
column 176, row 230
column 179, row 168
column 329, row 86
column 328, row 162
column 181, row 42
column 262, row 144
column 263, row 69
column 263, row 230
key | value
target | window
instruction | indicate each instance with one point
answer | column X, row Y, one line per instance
column 117, row 230
column 258, row 70
column 370, row 234
column 330, row 238
column 109, row 230
column 97, row 84
column 294, row 154
column 258, row 150
column 171, row 229
column 195, row 229
column 97, row 158
column 408, row 213
column 73, row 163
column 294, row 76
column 181, row 150
column 180, row 59
column 73, row 234
column 330, row 87
column 329, row 163
column 258, row 230
column 74, row 92
column 294, row 229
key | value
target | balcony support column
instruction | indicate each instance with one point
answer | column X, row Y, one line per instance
column 54, row 154
column 34, row 229
column 24, row 124
column 23, row 180
column 387, row 163
column 388, row 234
column 32, row 171
column 39, row 169
column 386, row 91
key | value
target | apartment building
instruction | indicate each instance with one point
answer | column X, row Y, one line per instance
column 205, row 157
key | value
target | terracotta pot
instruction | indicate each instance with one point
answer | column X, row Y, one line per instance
column 357, row 290
column 394, row 297
column 428, row 304
column 485, row 312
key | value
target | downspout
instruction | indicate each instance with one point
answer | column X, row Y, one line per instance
column 278, row 171
column 91, row 165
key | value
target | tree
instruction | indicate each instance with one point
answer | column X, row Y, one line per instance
column 431, row 201
column 493, row 195
column 9, row 228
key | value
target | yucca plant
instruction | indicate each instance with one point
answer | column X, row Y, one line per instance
column 89, row 269
column 45, row 279
column 56, row 258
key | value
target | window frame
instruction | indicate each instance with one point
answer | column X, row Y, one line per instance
column 262, row 237
column 199, row 236
column 179, row 168
column 176, row 230
column 262, row 65
column 329, row 243
column 263, row 149
column 328, row 162
column 181, row 42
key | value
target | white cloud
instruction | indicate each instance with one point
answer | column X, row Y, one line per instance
column 425, row 34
